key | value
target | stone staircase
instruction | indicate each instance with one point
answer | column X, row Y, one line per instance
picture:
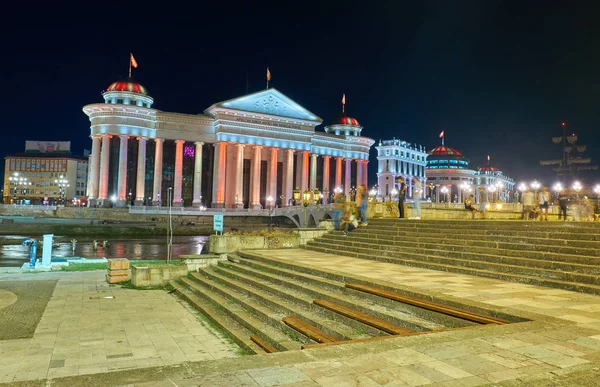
column 553, row 254
column 268, row 305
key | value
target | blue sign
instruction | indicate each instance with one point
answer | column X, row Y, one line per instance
column 218, row 222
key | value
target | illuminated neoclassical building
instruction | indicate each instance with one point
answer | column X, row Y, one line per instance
column 235, row 154
column 449, row 168
column 397, row 158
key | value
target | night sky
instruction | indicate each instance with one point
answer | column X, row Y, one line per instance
column 498, row 76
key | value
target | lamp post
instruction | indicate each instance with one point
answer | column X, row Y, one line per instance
column 62, row 185
column 202, row 209
column 18, row 181
column 270, row 207
column 499, row 186
column 325, row 195
column 305, row 202
column 597, row 192
column 491, row 190
column 337, row 191
column 445, row 191
column 372, row 194
column 394, row 194
column 353, row 194
column 316, row 195
column 577, row 187
column 535, row 185
column 296, row 196
column 466, row 188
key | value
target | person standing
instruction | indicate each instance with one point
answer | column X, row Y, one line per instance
column 363, row 194
column 563, row 201
column 417, row 190
column 527, row 204
column 401, row 196
column 544, row 200
column 483, row 200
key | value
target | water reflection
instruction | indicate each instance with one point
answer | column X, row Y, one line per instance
column 154, row 248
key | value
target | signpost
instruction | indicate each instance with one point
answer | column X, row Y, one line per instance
column 218, row 223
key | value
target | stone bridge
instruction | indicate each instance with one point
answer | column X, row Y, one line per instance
column 301, row 216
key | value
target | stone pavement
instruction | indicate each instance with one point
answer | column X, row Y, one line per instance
column 89, row 327
column 559, row 346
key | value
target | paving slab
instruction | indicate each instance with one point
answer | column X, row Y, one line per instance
column 557, row 343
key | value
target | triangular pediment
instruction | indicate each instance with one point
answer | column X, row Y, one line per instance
column 269, row 101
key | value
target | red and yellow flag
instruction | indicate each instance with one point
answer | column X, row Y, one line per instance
column 344, row 99
column 442, row 134
column 268, row 75
column 132, row 60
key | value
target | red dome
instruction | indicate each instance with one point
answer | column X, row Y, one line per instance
column 487, row 168
column 127, row 85
column 345, row 120
column 444, row 151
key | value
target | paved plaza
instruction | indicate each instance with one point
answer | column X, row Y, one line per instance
column 148, row 338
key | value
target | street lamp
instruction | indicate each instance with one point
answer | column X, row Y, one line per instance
column 325, row 195
column 557, row 187
column 316, row 195
column 296, row 196
column 499, row 185
column 394, row 194
column 305, row 202
column 445, row 191
column 270, row 207
column 466, row 188
column 372, row 194
column 18, row 181
column 492, row 189
column 577, row 187
column 535, row 185
column 62, row 185
column 270, row 202
column 337, row 191
column 597, row 191
column 522, row 187
column 353, row 194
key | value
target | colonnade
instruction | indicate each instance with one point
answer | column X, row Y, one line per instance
column 228, row 182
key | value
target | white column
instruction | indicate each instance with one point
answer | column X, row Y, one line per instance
column 338, row 172
column 104, row 165
column 326, row 169
column 122, row 178
column 255, row 177
column 197, row 199
column 313, row 171
column 158, row 160
column 288, row 177
column 272, row 175
column 365, row 178
column 359, row 173
column 347, row 178
column 304, row 170
column 141, row 172
column 239, row 175
column 94, row 171
column 178, row 177
column 219, row 175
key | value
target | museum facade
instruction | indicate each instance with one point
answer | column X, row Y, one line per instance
column 246, row 152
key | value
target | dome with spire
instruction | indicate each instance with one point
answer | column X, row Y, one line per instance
column 127, row 85
column 343, row 119
column 445, row 157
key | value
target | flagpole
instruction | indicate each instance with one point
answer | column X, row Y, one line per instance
column 129, row 65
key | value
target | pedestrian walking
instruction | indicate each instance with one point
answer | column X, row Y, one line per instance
column 544, row 201
column 563, row 201
column 401, row 196
column 417, row 190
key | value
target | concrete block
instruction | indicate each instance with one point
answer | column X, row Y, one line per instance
column 116, row 279
column 116, row 273
column 118, row 264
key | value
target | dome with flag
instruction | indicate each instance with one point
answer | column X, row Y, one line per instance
column 444, row 150
column 127, row 85
column 487, row 168
column 445, row 157
column 343, row 119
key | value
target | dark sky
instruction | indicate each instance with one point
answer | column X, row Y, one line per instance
column 497, row 76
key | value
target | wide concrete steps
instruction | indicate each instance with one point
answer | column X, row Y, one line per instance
column 540, row 259
column 292, row 284
column 522, row 237
column 569, row 281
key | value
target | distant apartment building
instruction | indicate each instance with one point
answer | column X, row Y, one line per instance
column 46, row 173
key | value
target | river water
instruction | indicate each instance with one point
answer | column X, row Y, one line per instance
column 135, row 249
